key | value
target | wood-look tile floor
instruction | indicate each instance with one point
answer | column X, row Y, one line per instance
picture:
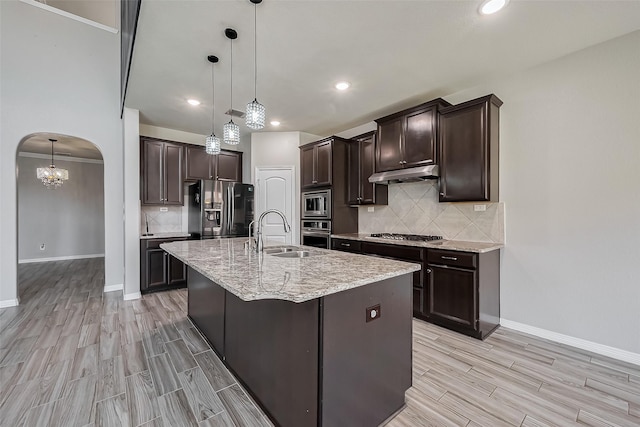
column 73, row 355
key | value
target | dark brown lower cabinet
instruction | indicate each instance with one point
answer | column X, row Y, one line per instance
column 454, row 289
column 158, row 269
column 464, row 291
column 453, row 295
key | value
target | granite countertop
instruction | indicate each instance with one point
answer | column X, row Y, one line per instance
column 167, row 235
column 254, row 276
column 451, row 245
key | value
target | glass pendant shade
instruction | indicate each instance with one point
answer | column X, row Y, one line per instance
column 231, row 133
column 52, row 177
column 255, row 115
column 212, row 144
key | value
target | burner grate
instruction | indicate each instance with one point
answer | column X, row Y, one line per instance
column 412, row 237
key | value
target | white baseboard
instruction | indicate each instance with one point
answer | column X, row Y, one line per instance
column 605, row 350
column 9, row 303
column 133, row 295
column 113, row 288
column 59, row 258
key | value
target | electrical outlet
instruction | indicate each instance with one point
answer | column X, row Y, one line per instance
column 164, row 209
column 479, row 208
column 42, row 246
column 373, row 313
column 370, row 209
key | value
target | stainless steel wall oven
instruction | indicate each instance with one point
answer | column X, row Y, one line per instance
column 316, row 233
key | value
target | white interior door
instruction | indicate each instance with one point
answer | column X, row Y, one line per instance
column 275, row 189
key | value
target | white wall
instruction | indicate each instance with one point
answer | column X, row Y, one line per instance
column 569, row 156
column 68, row 220
column 59, row 76
column 131, row 138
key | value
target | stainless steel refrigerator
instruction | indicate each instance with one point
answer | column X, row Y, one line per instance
column 220, row 209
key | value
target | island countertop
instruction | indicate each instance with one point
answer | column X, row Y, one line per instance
column 254, row 276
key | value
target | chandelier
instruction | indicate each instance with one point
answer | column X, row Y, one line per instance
column 52, row 177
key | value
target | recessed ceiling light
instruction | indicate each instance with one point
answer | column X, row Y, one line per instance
column 489, row 7
column 342, row 85
column 193, row 102
column 275, row 123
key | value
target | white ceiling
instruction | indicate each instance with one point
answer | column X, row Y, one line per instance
column 395, row 54
column 65, row 146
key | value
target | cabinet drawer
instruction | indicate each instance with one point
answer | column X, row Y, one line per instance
column 404, row 253
column 345, row 245
column 452, row 258
column 155, row 243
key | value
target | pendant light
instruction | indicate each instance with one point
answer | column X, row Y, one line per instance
column 255, row 114
column 52, row 177
column 231, row 130
column 212, row 141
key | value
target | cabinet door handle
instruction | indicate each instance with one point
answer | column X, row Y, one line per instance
column 400, row 162
column 452, row 258
column 442, row 194
column 428, row 271
column 346, row 245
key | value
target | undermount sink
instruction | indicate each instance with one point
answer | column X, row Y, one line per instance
column 293, row 254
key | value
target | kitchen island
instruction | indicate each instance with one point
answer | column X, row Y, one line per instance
column 318, row 340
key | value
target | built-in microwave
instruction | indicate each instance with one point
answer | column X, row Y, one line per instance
column 316, row 204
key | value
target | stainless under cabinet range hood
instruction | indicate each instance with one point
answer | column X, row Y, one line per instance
column 406, row 175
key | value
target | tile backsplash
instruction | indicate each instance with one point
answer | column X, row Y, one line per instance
column 163, row 222
column 414, row 209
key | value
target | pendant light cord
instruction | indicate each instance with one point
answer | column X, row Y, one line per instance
column 213, row 100
column 255, row 51
column 231, row 110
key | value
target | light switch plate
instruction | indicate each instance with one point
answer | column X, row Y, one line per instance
column 479, row 208
column 370, row 209
column 164, row 209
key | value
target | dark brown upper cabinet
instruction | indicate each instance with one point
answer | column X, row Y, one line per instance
column 161, row 172
column 316, row 164
column 226, row 166
column 361, row 167
column 409, row 138
column 229, row 166
column 324, row 163
column 469, row 142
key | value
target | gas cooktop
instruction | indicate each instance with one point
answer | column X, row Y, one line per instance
column 413, row 237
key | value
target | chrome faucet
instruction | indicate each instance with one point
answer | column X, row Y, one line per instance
column 287, row 227
column 251, row 244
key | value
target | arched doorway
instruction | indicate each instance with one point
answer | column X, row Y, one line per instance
column 61, row 228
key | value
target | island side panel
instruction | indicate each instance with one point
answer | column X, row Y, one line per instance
column 272, row 347
column 206, row 302
column 366, row 366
